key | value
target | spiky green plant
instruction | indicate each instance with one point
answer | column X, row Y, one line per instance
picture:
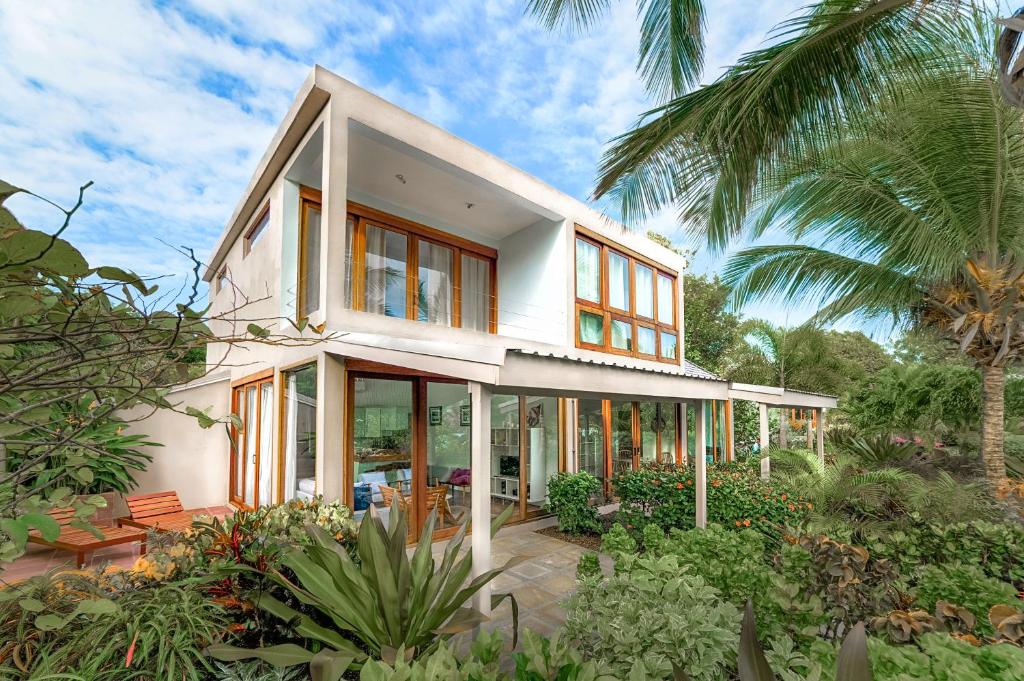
column 388, row 603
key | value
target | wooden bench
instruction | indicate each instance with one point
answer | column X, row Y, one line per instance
column 82, row 542
column 160, row 511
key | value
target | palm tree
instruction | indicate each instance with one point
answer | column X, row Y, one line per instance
column 706, row 151
column 797, row 358
column 915, row 216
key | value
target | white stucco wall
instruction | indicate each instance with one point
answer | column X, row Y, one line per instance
column 532, row 300
column 193, row 461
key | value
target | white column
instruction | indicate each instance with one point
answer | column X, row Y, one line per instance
column 480, row 489
column 684, row 428
column 730, row 440
column 821, row 435
column 334, row 216
column 700, row 462
column 572, row 461
column 762, row 413
column 330, row 427
column 810, row 434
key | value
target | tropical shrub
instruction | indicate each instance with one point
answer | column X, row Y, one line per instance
column 618, row 542
column 731, row 561
column 652, row 614
column 588, row 566
column 569, row 497
column 154, row 632
column 966, row 586
column 384, row 604
column 941, row 656
column 256, row 671
column 665, row 495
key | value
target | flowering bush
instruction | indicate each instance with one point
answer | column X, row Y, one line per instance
column 737, row 498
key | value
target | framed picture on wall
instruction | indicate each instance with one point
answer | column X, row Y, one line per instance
column 465, row 415
column 434, row 416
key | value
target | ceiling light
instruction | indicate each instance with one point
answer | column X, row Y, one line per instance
column 400, row 177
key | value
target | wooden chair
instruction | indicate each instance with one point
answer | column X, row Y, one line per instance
column 437, row 497
column 82, row 542
column 160, row 511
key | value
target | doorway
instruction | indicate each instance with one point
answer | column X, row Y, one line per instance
column 409, row 444
column 252, row 443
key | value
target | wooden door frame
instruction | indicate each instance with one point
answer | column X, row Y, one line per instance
column 238, row 443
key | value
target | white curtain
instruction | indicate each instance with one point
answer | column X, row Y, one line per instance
column 434, row 286
column 265, row 495
column 386, row 257
column 291, row 436
column 250, row 446
column 350, row 228
column 588, row 271
column 665, row 299
column 476, row 293
column 644, row 291
column 311, row 248
column 618, row 281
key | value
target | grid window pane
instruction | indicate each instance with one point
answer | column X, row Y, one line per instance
column 644, row 290
column 588, row 271
column 591, row 328
column 476, row 294
column 434, row 284
column 622, row 335
column 646, row 341
column 669, row 341
column 666, row 299
column 386, row 256
column 618, row 281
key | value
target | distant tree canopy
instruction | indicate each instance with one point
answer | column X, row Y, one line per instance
column 709, row 329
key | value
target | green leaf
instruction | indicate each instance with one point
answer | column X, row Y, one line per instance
column 50, row 622
column 852, row 662
column 258, row 331
column 282, row 655
column 88, row 527
column 48, row 528
column 84, row 475
column 32, row 605
column 7, row 190
column 329, row 665
column 96, row 606
column 205, row 421
column 753, row 666
column 16, row 529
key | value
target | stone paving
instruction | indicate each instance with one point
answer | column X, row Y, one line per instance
column 540, row 583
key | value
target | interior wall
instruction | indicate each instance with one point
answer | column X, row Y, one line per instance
column 532, row 270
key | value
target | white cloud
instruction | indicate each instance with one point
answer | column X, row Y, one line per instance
column 169, row 107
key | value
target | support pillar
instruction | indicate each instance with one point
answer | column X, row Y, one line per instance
column 810, row 429
column 764, row 436
column 480, row 489
column 700, row 465
column 730, row 440
column 820, row 432
column 784, row 428
column 684, row 428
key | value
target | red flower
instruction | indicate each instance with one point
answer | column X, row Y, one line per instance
column 737, row 523
column 679, row 485
column 746, row 523
column 785, row 496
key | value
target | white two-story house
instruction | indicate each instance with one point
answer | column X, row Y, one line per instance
column 483, row 330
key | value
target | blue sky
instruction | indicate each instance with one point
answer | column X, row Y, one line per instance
column 167, row 106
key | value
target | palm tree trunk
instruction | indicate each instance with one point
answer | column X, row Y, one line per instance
column 993, row 384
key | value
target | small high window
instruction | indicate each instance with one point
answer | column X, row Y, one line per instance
column 259, row 226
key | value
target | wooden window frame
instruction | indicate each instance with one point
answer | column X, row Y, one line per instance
column 238, row 444
column 415, row 232
column 307, row 197
column 609, row 313
column 221, row 279
column 256, row 230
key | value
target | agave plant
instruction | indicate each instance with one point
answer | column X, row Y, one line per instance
column 386, row 605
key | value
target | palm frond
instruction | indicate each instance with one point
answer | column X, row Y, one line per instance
column 830, row 63
column 576, row 15
column 671, row 45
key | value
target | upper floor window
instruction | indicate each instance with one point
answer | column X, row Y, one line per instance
column 625, row 303
column 308, row 290
column 222, row 280
column 257, row 230
column 407, row 270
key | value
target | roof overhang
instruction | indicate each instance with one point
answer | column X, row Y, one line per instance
column 781, row 397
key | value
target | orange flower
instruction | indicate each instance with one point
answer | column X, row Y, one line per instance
column 785, row 496
column 679, row 485
column 746, row 523
column 737, row 523
column 810, row 506
column 792, row 507
column 716, row 483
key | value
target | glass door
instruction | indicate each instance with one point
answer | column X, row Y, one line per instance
column 540, row 453
column 657, row 432
column 252, row 445
column 382, row 445
column 625, row 450
column 447, row 455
